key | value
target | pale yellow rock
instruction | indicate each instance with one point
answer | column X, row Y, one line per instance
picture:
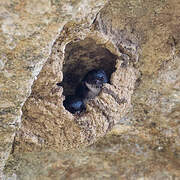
column 27, row 32
column 44, row 108
column 145, row 142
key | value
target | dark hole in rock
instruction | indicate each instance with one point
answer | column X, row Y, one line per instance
column 80, row 58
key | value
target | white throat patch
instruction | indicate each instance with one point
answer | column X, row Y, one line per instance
column 94, row 88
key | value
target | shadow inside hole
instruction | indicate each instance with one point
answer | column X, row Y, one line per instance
column 80, row 58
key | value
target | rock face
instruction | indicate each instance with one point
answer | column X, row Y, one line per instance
column 44, row 108
column 137, row 43
column 28, row 31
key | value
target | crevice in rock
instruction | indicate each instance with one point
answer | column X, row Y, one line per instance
column 46, row 124
column 81, row 57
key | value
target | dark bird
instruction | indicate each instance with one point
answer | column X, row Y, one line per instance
column 91, row 84
column 74, row 104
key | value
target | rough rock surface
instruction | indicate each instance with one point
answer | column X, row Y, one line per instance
column 146, row 142
column 28, row 31
column 44, row 108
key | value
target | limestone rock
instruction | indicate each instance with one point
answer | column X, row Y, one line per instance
column 142, row 37
column 45, row 122
column 28, row 30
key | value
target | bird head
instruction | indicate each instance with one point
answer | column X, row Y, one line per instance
column 96, row 77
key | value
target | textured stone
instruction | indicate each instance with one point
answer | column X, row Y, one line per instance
column 28, row 30
column 44, row 108
column 124, row 156
column 145, row 142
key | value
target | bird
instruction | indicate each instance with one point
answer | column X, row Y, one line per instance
column 74, row 104
column 91, row 84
